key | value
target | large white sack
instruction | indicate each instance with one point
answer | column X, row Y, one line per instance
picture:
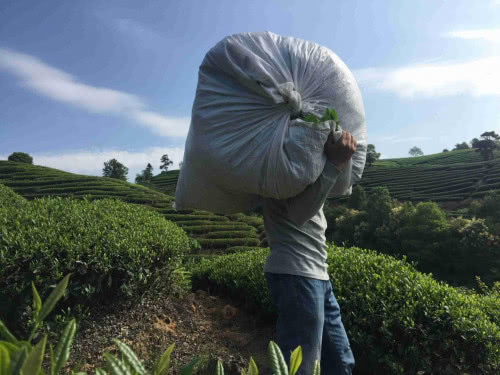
column 244, row 141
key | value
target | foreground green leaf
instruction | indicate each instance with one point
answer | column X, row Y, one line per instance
column 33, row 362
column 55, row 296
column 116, row 367
column 164, row 361
column 61, row 353
column 5, row 333
column 188, row 369
column 17, row 361
column 295, row 360
column 278, row 364
column 4, row 360
column 130, row 357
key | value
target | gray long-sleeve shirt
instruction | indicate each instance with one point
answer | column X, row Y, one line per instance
column 295, row 229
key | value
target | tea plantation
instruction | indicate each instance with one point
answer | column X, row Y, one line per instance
column 450, row 176
column 444, row 177
column 399, row 320
column 214, row 233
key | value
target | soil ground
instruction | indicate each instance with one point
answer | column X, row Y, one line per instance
column 199, row 324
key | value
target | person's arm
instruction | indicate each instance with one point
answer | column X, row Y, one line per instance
column 306, row 204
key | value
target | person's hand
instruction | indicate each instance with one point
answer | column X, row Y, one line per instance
column 340, row 152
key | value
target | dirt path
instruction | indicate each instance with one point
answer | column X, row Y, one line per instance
column 198, row 324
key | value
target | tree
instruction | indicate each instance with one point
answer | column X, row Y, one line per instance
column 474, row 142
column 379, row 206
column 461, row 146
column 371, row 155
column 357, row 200
column 165, row 162
column 487, row 144
column 114, row 169
column 415, row 151
column 20, row 157
column 148, row 173
column 446, row 150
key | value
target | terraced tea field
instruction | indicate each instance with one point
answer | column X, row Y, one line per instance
column 450, row 176
column 215, row 233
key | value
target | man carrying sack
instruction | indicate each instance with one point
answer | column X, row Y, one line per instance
column 296, row 271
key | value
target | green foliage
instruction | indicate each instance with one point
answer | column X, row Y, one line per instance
column 232, row 234
column 8, row 198
column 241, row 249
column 114, row 169
column 358, row 199
column 20, row 157
column 399, row 320
column 416, row 151
column 165, row 162
column 371, row 155
column 454, row 250
column 461, row 146
column 221, row 243
column 330, row 114
column 113, row 248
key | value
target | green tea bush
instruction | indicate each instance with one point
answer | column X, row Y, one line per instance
column 8, row 198
column 399, row 321
column 241, row 249
column 221, row 243
column 232, row 234
column 111, row 247
column 199, row 229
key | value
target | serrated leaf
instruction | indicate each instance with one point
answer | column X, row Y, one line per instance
column 100, row 371
column 4, row 360
column 130, row 357
column 295, row 360
column 17, row 361
column 55, row 296
column 61, row 353
column 37, row 302
column 252, row 367
column 278, row 364
column 5, row 333
column 34, row 360
column 188, row 369
column 116, row 367
column 316, row 368
column 220, row 368
column 162, row 364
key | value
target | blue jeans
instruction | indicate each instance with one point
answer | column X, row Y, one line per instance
column 309, row 316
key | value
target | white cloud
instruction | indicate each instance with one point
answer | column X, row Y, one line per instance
column 476, row 77
column 161, row 125
column 490, row 35
column 91, row 162
column 63, row 87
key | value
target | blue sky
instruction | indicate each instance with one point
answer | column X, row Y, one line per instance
column 82, row 82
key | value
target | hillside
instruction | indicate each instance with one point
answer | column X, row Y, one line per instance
column 444, row 177
column 449, row 176
column 214, row 233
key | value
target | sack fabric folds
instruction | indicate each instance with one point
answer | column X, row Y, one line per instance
column 246, row 141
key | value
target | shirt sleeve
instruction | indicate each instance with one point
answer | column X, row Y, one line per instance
column 306, row 204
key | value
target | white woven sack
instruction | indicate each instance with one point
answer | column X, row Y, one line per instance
column 245, row 140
